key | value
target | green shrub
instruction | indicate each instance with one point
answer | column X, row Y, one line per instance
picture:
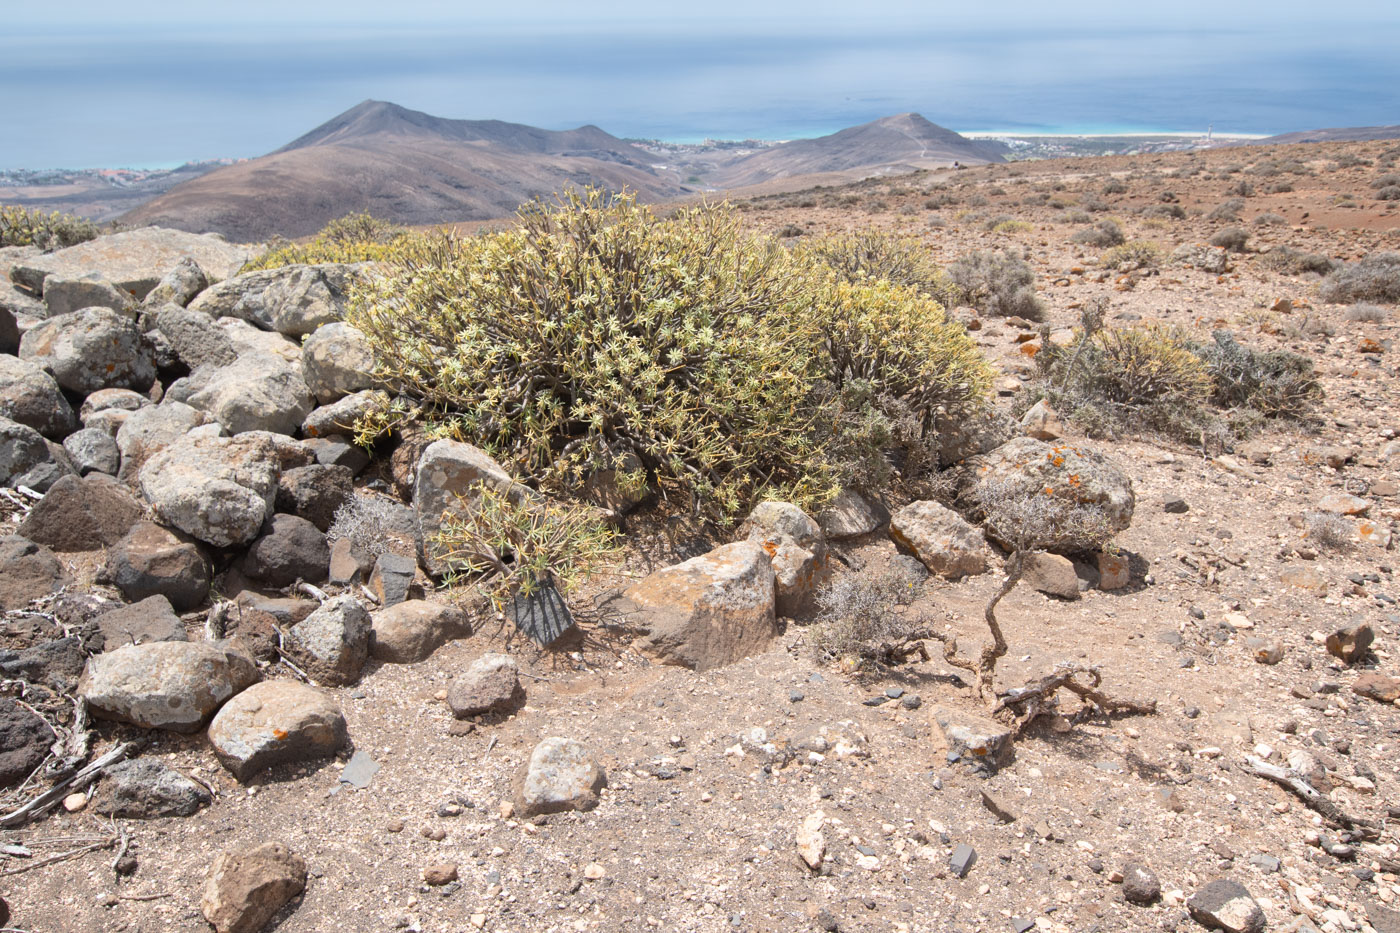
column 352, row 238
column 1000, row 284
column 1375, row 278
column 20, row 226
column 1131, row 256
column 872, row 256
column 1103, row 234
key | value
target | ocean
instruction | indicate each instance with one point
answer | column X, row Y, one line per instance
column 146, row 97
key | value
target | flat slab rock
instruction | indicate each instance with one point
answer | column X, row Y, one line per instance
column 1226, row 905
column 136, row 260
column 171, row 685
column 144, row 788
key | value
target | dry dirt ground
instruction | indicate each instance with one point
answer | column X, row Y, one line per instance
column 696, row 828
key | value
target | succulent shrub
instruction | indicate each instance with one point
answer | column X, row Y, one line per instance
column 873, row 256
column 20, row 226
column 1133, row 255
column 352, row 238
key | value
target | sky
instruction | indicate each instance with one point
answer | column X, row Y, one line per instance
column 145, row 83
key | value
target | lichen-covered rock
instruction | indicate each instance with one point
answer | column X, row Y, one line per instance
column 851, row 515
column 144, row 788
column 940, row 538
column 29, row 396
column 337, row 360
column 93, row 451
column 560, row 775
column 194, row 336
column 218, row 489
column 91, row 349
column 178, row 286
column 155, row 561
column 147, row 431
column 333, row 642
column 275, row 722
column 1212, row 259
column 65, row 295
column 709, row 611
column 151, row 619
column 410, row 631
column 173, row 685
column 256, row 392
column 293, row 300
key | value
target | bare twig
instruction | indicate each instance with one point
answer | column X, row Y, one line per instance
column 62, row 856
column 1291, row 781
column 50, row 798
column 1026, row 703
column 315, row 592
column 121, row 849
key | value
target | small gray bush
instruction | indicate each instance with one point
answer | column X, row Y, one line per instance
column 999, row 284
column 1375, row 278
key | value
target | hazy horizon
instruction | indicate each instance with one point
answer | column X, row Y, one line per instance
column 141, row 86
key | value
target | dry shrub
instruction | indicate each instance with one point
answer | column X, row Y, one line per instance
column 1231, row 238
column 1329, row 531
column 1101, row 235
column 1290, row 261
column 998, row 284
column 1375, row 278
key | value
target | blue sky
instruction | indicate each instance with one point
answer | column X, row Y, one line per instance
column 143, row 83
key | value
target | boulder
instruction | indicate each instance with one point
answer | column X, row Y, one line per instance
column 27, row 572
column 218, row 489
column 340, row 417
column 134, row 261
column 1226, row 905
column 1351, row 643
column 337, row 451
column 56, row 664
column 9, row 325
column 1140, row 884
column 392, row 578
column 178, row 286
column 969, row 736
column 940, row 538
column 247, row 887
column 63, row 295
column 144, row 789
column 173, row 685
column 315, row 492
column 293, row 300
column 1051, row 574
column 194, row 337
column 1212, row 259
column 275, row 722
column 851, row 515
column 256, row 392
column 561, row 775
column 83, row 514
column 154, row 561
column 797, row 548
column 446, row 475
column 112, row 400
column 91, row 349
column 289, row 549
column 148, row 431
column 26, row 459
column 92, row 450
column 25, row 740
column 333, row 642
column 491, row 684
column 337, row 360
column 1041, row 422
column 29, row 396
column 1076, row 475
column 709, row 611
column 410, row 631
column 152, row 619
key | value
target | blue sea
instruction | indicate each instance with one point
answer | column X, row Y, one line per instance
column 146, row 97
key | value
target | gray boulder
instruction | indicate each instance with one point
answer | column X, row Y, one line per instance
column 134, row 261
column 411, row 631
column 27, row 572
column 851, row 515
column 155, row 561
column 256, row 392
column 288, row 550
column 144, row 789
column 340, row 417
column 83, row 514
column 31, row 397
column 333, row 642
column 491, row 684
column 275, row 722
column 151, row 619
column 446, row 478
column 179, row 286
column 147, row 431
column 91, row 349
column 27, row 459
column 292, row 300
column 93, row 450
column 218, row 489
column 337, row 361
column 108, row 409
column 560, row 775
column 64, row 295
column 194, row 337
column 940, row 539
column 171, row 685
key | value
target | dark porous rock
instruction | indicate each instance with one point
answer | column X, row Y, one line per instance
column 1226, row 905
column 337, row 451
column 25, row 740
column 152, row 619
column 28, row 459
column 1352, row 642
column 490, row 685
column 93, row 450
column 290, row 549
column 1175, row 505
column 247, row 887
column 1140, row 884
column 30, row 396
column 391, row 581
column 27, row 572
column 151, row 560
column 145, row 788
column 83, row 514
column 315, row 492
column 55, row 664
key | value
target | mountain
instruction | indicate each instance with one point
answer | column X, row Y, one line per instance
column 405, row 166
column 1334, row 135
column 901, row 142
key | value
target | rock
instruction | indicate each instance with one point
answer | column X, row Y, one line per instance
column 709, row 611
column 1140, row 885
column 275, row 722
column 1041, row 422
column 337, row 361
column 811, row 843
column 1304, row 578
column 91, row 349
column 344, row 566
column 1212, row 259
column 152, row 561
column 83, row 514
column 336, row 451
column 560, row 776
column 998, row 806
column 292, row 300
column 1051, row 574
column 972, row 736
column 144, row 788
column 256, row 392
column 112, row 400
column 136, row 260
column 333, row 642
column 797, row 548
column 178, row 286
column 25, row 740
column 31, row 397
column 26, row 459
column 1342, row 503
column 150, row 430
column 171, row 685
column 1377, row 686
column 409, row 632
column 340, row 417
column 152, row 619
column 55, row 664
column 315, row 492
column 962, row 860
column 439, row 874
column 194, row 336
column 1264, row 650
column 289, row 549
column 1026, row 467
column 246, row 888
column 27, row 572
column 93, row 450
column 939, row 537
column 1115, row 572
column 64, row 295
column 1226, row 905
column 1352, row 642
column 445, row 478
column 391, row 580
column 851, row 515
column 218, row 489
column 9, row 327
column 490, row 685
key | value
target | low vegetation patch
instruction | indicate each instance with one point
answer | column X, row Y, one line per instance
column 1375, row 278
column 352, row 238
column 20, row 226
column 1001, row 284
